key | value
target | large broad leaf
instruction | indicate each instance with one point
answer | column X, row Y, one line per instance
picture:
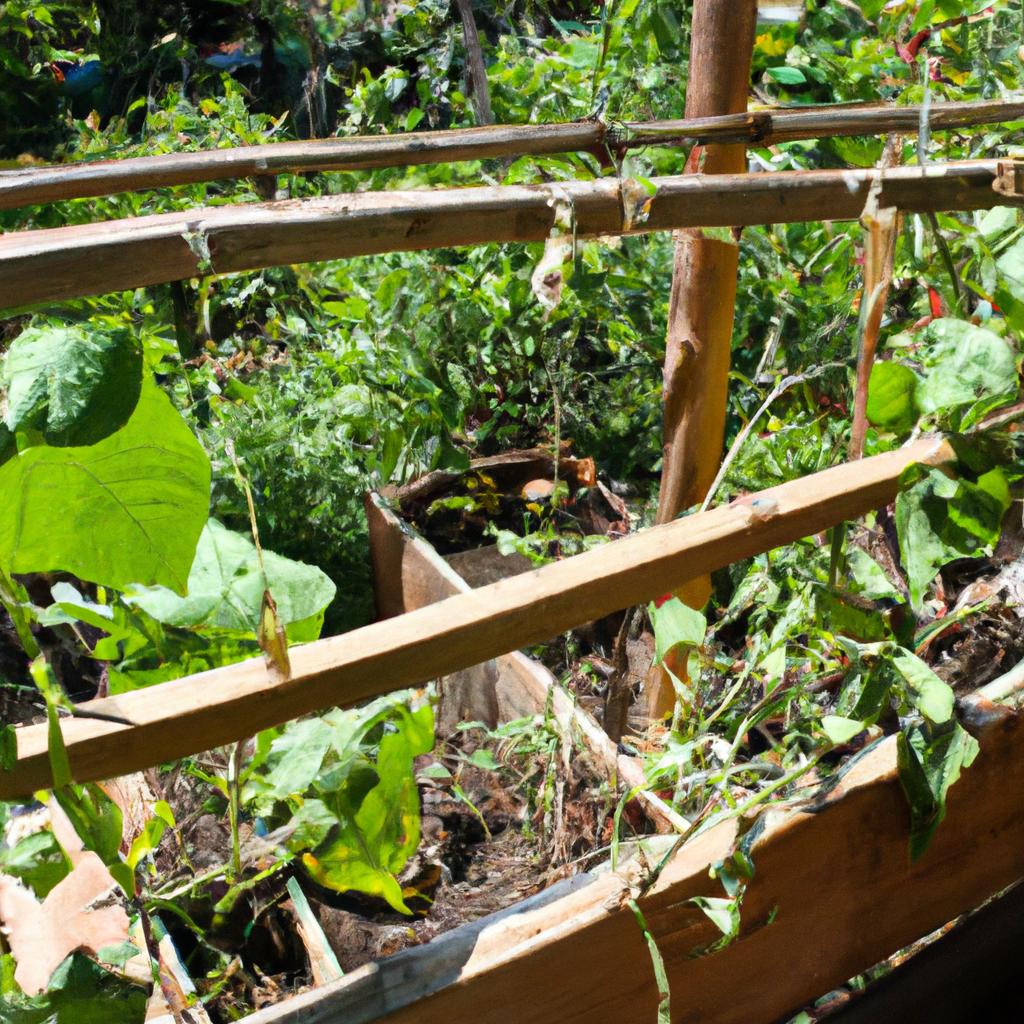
column 226, row 584
column 126, row 510
column 74, row 385
column 378, row 816
column 939, row 519
column 967, row 365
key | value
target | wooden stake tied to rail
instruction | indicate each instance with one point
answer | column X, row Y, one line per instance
column 700, row 318
column 208, row 710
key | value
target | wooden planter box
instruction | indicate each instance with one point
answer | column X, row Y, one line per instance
column 834, row 891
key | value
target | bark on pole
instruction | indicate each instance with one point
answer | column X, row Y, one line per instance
column 698, row 348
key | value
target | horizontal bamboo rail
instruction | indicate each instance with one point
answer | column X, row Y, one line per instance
column 87, row 259
column 23, row 187
column 207, row 710
column 833, row 894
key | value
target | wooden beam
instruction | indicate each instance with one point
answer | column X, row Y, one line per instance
column 212, row 708
column 833, row 893
column 766, row 127
column 87, row 259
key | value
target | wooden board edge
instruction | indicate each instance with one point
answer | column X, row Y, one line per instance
column 833, row 893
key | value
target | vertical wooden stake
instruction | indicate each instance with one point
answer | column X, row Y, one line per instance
column 477, row 67
column 880, row 228
column 701, row 309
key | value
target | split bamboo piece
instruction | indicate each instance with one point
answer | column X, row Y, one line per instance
column 226, row 704
column 833, row 894
column 698, row 348
column 87, row 259
column 766, row 127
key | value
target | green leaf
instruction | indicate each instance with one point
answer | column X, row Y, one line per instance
column 675, row 623
column 841, row 730
column 80, row 992
column 786, row 75
column 483, row 758
column 225, row 589
column 723, row 913
column 126, row 510
column 37, row 860
column 95, row 817
column 117, row 956
column 74, row 385
column 966, row 365
column 929, row 762
column 377, row 834
column 939, row 519
column 146, row 842
column 891, row 396
column 844, row 615
column 60, row 765
column 1011, row 263
column 932, row 697
column 296, row 756
column 8, row 747
column 869, row 577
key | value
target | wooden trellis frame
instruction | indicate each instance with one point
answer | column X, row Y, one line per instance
column 23, row 187
column 480, row 971
column 63, row 263
column 227, row 704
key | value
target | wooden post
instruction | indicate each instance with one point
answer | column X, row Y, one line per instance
column 698, row 348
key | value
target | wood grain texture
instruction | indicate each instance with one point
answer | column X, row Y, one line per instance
column 833, row 893
column 216, row 707
column 62, row 263
column 30, row 185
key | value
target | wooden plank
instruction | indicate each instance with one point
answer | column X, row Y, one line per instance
column 970, row 973
column 86, row 259
column 409, row 574
column 222, row 705
column 833, row 893
column 29, row 185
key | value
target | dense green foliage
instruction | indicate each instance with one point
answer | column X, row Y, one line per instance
column 138, row 425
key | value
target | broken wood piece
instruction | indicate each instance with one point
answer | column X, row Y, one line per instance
column 53, row 264
column 323, row 964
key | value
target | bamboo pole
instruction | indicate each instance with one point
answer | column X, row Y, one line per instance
column 89, row 259
column 30, row 185
column 699, row 344
column 214, row 708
